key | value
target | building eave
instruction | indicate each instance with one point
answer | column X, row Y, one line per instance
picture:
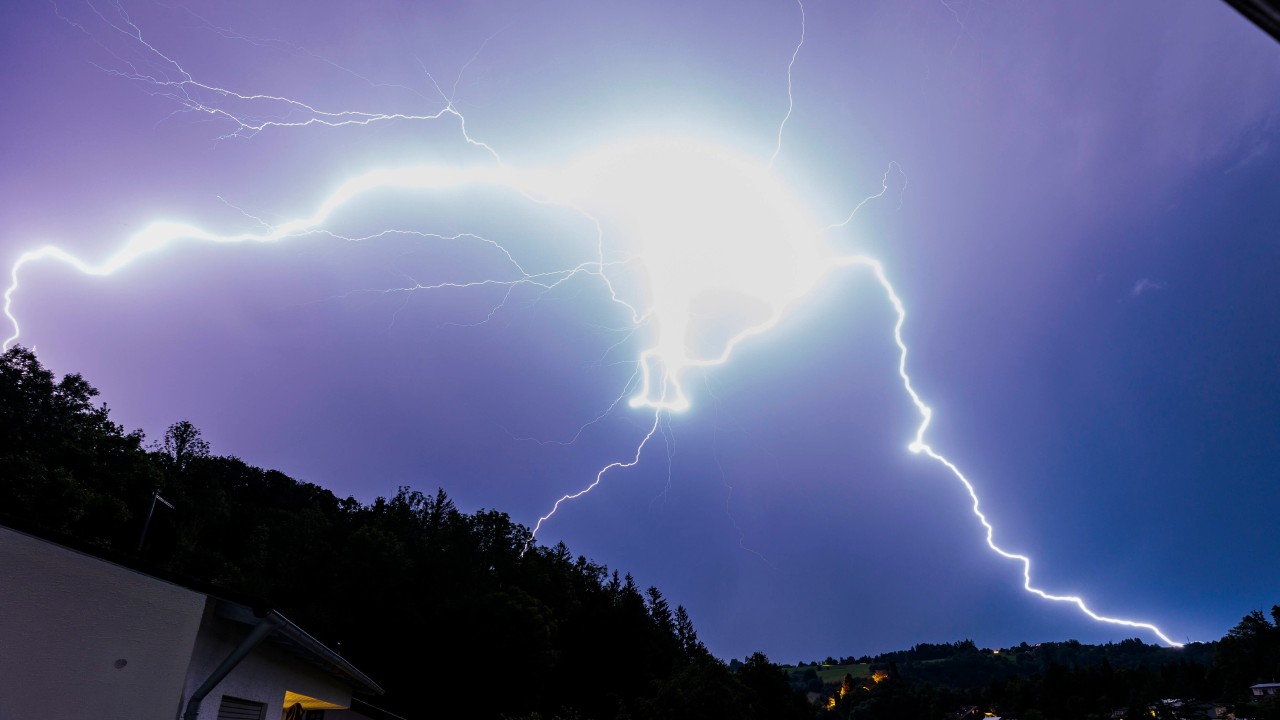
column 300, row 643
column 1263, row 13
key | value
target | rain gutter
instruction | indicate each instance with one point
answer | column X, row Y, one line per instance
column 267, row 625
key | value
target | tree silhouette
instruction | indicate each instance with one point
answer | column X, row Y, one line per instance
column 182, row 444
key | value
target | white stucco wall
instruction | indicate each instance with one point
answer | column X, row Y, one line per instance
column 263, row 676
column 84, row 638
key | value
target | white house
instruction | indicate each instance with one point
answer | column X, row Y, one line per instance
column 85, row 637
column 1263, row 689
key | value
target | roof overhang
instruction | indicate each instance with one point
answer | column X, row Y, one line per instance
column 299, row 643
column 1263, row 13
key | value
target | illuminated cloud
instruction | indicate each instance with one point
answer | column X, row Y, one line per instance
column 1145, row 285
column 700, row 241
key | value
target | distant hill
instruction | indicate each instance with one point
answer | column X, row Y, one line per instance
column 963, row 665
column 1047, row 681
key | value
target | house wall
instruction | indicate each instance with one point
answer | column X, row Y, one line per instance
column 84, row 638
column 263, row 676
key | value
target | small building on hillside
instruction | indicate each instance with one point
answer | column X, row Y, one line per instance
column 86, row 637
column 1264, row 689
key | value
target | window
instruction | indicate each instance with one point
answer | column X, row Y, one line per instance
column 233, row 708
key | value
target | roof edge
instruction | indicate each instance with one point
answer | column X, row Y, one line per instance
column 1263, row 13
column 289, row 632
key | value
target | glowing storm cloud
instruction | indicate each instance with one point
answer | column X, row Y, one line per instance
column 723, row 248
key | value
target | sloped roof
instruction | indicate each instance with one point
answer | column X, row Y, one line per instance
column 299, row 643
column 232, row 606
column 1263, row 13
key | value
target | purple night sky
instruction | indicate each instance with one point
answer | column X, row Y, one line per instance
column 1079, row 212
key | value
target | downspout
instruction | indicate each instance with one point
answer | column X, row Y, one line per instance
column 265, row 627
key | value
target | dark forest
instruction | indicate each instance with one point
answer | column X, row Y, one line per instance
column 438, row 603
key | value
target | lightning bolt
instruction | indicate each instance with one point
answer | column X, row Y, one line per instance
column 791, row 100
column 595, row 182
column 920, row 446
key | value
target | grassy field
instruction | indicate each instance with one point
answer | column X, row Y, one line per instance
column 831, row 673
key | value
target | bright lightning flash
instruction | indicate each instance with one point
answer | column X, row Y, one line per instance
column 724, row 250
column 714, row 224
column 713, row 231
column 722, row 243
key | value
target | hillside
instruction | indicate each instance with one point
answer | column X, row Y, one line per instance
column 438, row 605
column 444, row 607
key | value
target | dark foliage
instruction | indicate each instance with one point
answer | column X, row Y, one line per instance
column 64, row 464
column 441, row 607
column 435, row 603
column 1064, row 680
